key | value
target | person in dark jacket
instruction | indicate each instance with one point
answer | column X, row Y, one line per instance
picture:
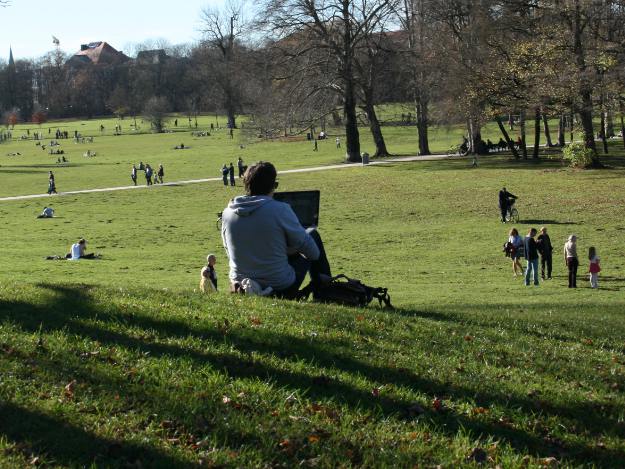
column 231, row 173
column 506, row 200
column 546, row 250
column 531, row 255
column 224, row 175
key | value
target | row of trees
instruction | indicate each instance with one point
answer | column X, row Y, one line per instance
column 303, row 62
column 473, row 60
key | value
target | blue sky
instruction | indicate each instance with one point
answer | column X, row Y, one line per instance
column 28, row 25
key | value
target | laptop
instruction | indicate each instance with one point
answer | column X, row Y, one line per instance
column 305, row 204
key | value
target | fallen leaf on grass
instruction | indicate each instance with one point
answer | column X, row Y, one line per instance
column 587, row 341
column 437, row 404
column 313, row 438
column 468, row 338
column 255, row 321
column 35, row 461
column 68, row 391
column 551, row 461
column 360, row 317
column 479, row 410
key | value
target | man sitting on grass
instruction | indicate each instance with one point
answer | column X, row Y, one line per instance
column 48, row 212
column 78, row 251
column 265, row 241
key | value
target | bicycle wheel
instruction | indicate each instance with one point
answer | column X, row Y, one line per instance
column 514, row 215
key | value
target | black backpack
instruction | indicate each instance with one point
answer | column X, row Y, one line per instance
column 348, row 292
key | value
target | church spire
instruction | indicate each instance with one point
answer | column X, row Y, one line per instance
column 11, row 61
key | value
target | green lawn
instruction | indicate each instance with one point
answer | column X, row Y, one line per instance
column 203, row 158
column 121, row 362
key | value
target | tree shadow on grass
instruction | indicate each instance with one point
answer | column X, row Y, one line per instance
column 69, row 445
column 72, row 307
column 536, row 221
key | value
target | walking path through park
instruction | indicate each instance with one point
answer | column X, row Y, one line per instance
column 196, row 181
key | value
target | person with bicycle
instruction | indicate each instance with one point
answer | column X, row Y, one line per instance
column 506, row 201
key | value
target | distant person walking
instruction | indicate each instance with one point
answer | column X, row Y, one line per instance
column 571, row 260
column 506, row 200
column 531, row 255
column 51, row 183
column 594, row 267
column 338, row 142
column 148, row 175
column 241, row 167
column 546, row 253
column 224, row 174
column 160, row 173
column 133, row 174
column 231, row 173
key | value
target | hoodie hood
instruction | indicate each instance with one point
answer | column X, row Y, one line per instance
column 245, row 205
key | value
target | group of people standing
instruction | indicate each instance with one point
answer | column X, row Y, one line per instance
column 227, row 172
column 149, row 173
column 531, row 248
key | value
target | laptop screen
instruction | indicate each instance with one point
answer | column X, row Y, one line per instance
column 305, row 204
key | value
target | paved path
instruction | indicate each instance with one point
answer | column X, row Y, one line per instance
column 197, row 181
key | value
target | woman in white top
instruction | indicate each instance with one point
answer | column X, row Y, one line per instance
column 516, row 253
column 571, row 260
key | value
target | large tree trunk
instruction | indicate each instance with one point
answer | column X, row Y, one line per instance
column 376, row 131
column 523, row 139
column 536, row 133
column 506, row 137
column 475, row 135
column 546, row 128
column 561, row 131
column 609, row 124
column 623, row 129
column 604, row 140
column 421, row 110
column 352, row 137
column 585, row 115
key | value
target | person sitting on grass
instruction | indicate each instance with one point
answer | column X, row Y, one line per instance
column 48, row 212
column 265, row 241
column 78, row 251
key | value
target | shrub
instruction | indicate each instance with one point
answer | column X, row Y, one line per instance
column 39, row 117
column 578, row 155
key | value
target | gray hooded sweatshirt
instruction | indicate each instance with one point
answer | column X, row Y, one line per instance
column 258, row 232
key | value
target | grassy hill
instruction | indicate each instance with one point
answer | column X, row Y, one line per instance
column 121, row 363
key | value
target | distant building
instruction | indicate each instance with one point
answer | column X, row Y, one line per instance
column 97, row 53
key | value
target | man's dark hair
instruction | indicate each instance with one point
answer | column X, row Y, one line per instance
column 260, row 178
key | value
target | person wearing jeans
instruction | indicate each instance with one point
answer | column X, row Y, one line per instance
column 571, row 260
column 531, row 255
